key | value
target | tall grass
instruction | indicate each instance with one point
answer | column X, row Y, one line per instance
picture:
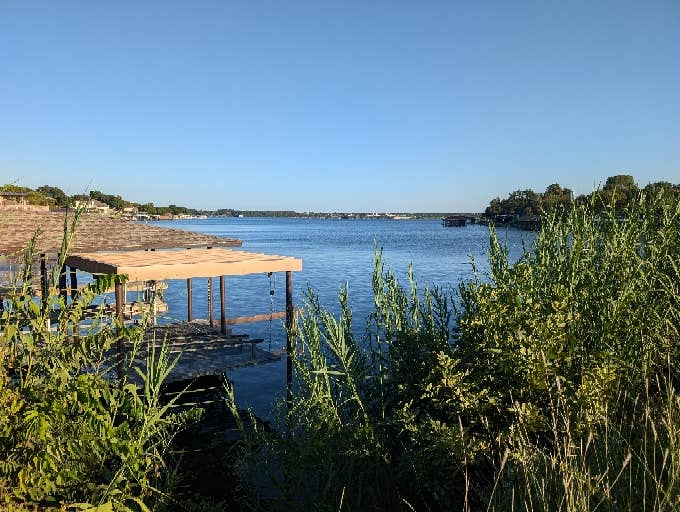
column 71, row 436
column 556, row 390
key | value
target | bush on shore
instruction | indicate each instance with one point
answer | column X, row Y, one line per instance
column 557, row 389
column 71, row 435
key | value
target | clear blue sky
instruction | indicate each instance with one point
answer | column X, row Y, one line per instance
column 337, row 106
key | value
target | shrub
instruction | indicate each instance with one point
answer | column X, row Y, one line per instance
column 554, row 390
column 70, row 434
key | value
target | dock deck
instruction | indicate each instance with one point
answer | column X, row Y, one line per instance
column 202, row 350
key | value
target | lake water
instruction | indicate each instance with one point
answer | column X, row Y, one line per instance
column 334, row 252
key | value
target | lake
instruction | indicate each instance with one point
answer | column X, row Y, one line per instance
column 334, row 252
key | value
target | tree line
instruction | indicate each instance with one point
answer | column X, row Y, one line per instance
column 48, row 195
column 618, row 190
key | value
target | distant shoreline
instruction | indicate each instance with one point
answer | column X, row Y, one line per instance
column 325, row 215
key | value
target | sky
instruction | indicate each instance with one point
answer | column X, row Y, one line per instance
column 385, row 106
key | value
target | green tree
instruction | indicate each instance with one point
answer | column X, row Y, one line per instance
column 662, row 188
column 619, row 189
column 31, row 197
column 147, row 208
column 556, row 198
column 60, row 198
column 494, row 207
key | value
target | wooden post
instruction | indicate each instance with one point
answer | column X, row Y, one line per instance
column 43, row 278
column 74, row 296
column 210, row 303
column 74, row 284
column 44, row 290
column 289, row 336
column 120, row 343
column 189, row 301
column 62, row 281
column 223, row 306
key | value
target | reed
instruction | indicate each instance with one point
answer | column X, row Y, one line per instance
column 548, row 384
column 71, row 436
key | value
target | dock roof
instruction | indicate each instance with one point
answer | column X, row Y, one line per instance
column 93, row 233
column 182, row 264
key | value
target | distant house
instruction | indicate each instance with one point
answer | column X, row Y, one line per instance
column 14, row 197
column 130, row 213
column 19, row 201
column 93, row 206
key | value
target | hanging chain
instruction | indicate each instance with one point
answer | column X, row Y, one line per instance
column 271, row 308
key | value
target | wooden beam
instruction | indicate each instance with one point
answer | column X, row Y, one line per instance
column 44, row 288
column 223, row 306
column 211, row 320
column 256, row 318
column 120, row 343
column 63, row 293
column 289, row 337
column 203, row 263
column 189, row 301
column 43, row 278
column 74, row 284
column 74, row 295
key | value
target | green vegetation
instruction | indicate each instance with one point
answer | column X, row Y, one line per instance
column 31, row 197
column 551, row 384
column 71, row 436
column 620, row 189
column 557, row 389
column 48, row 195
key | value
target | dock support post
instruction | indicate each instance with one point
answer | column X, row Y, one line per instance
column 44, row 288
column 62, row 281
column 74, row 296
column 43, row 278
column 74, row 284
column 211, row 320
column 223, row 307
column 289, row 337
column 120, row 342
column 189, row 301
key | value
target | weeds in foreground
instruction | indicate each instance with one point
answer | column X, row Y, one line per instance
column 71, row 436
column 557, row 392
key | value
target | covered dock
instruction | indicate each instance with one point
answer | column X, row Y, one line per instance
column 149, row 255
column 215, row 263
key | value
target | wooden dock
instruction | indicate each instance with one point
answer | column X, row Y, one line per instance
column 202, row 350
column 141, row 257
column 457, row 221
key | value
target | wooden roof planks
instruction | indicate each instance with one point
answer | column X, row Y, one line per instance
column 182, row 264
column 93, row 233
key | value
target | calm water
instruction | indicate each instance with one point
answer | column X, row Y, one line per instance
column 334, row 252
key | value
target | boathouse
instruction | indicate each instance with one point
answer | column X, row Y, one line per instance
column 454, row 221
column 149, row 255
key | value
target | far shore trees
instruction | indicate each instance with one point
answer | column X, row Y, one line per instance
column 59, row 196
column 620, row 190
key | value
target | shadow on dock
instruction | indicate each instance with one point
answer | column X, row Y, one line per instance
column 202, row 350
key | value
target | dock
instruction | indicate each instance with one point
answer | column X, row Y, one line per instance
column 141, row 258
column 459, row 220
column 203, row 350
